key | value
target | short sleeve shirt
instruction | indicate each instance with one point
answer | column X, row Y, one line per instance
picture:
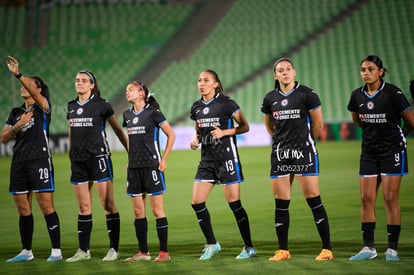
column 381, row 117
column 32, row 142
column 290, row 114
column 218, row 112
column 87, row 124
column 143, row 130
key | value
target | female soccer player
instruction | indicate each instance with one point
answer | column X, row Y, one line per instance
column 91, row 162
column 213, row 117
column 32, row 169
column 293, row 116
column 146, row 166
column 378, row 108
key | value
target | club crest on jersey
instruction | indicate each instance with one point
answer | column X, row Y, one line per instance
column 135, row 120
column 284, row 102
column 370, row 105
column 79, row 111
column 206, row 110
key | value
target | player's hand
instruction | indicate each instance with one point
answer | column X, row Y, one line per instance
column 217, row 133
column 194, row 144
column 13, row 65
column 26, row 117
column 162, row 166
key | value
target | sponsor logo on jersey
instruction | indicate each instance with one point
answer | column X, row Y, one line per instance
column 373, row 118
column 208, row 122
column 136, row 130
column 286, row 114
column 81, row 122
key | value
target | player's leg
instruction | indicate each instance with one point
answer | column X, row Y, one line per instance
column 161, row 224
column 232, row 194
column 23, row 203
column 201, row 190
column 281, row 186
column 84, row 199
column 368, row 191
column 106, row 196
column 310, row 189
column 45, row 201
column 390, row 193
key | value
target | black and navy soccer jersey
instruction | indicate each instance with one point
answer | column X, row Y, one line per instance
column 87, row 127
column 143, row 130
column 380, row 115
column 32, row 142
column 290, row 113
column 217, row 112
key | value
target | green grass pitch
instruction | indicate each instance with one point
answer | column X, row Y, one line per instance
column 339, row 186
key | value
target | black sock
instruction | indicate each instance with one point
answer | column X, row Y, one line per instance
column 282, row 221
column 113, row 226
column 162, row 232
column 242, row 222
column 26, row 227
column 368, row 229
column 321, row 220
column 204, row 221
column 141, row 231
column 84, row 231
column 393, row 235
column 53, row 227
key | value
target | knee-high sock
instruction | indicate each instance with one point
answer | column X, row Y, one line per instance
column 84, row 231
column 113, row 226
column 321, row 220
column 26, row 227
column 242, row 222
column 53, row 227
column 162, row 232
column 393, row 235
column 282, row 221
column 368, row 229
column 204, row 221
column 141, row 231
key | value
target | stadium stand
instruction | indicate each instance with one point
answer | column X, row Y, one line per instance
column 118, row 42
column 243, row 42
column 328, row 63
column 114, row 41
column 331, row 64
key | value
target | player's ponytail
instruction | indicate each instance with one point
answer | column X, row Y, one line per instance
column 149, row 97
column 277, row 84
column 219, row 88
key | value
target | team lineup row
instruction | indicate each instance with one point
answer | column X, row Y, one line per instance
column 292, row 116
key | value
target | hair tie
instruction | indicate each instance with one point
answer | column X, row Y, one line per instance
column 91, row 76
column 139, row 85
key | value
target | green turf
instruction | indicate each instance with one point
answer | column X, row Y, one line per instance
column 340, row 193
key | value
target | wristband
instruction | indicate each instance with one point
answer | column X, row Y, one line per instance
column 18, row 76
